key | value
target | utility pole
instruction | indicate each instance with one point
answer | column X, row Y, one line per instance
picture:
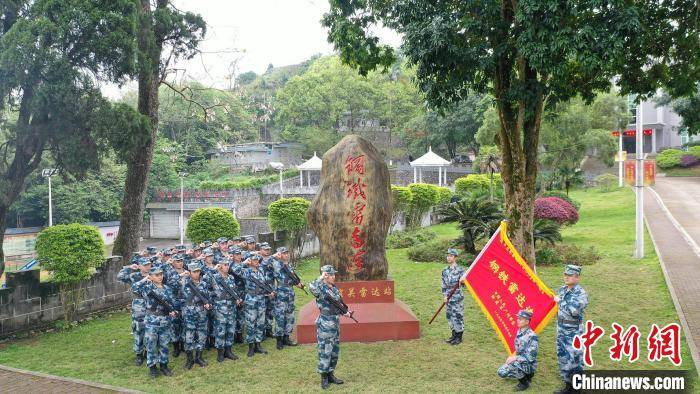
column 639, row 184
column 49, row 172
column 182, row 207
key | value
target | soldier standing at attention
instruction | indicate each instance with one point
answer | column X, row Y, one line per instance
column 208, row 271
column 224, row 311
column 131, row 274
column 572, row 300
column 158, row 323
column 236, row 261
column 194, row 314
column 523, row 363
column 266, row 264
column 327, row 325
column 172, row 273
column 284, row 301
column 255, row 297
column 454, row 308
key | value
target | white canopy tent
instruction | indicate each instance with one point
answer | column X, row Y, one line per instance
column 313, row 164
column 430, row 159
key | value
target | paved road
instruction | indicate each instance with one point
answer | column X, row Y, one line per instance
column 21, row 381
column 672, row 213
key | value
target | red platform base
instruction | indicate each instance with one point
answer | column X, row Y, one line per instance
column 381, row 318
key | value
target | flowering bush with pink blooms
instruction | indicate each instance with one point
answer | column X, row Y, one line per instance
column 689, row 160
column 554, row 208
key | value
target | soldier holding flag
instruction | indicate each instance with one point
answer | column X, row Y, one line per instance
column 451, row 276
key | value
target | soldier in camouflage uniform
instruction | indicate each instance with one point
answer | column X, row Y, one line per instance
column 194, row 314
column 208, row 271
column 266, row 265
column 454, row 309
column 131, row 274
column 254, row 303
column 158, row 320
column 224, row 311
column 327, row 325
column 572, row 300
column 523, row 364
column 237, row 260
column 284, row 301
column 173, row 273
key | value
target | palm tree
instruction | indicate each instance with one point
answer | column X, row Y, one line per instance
column 477, row 218
column 490, row 162
column 570, row 176
column 546, row 231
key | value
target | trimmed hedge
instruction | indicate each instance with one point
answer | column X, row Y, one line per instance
column 669, row 158
column 606, row 182
column 444, row 194
column 288, row 214
column 70, row 251
column 556, row 209
column 405, row 239
column 472, row 182
column 401, row 198
column 424, row 196
column 210, row 224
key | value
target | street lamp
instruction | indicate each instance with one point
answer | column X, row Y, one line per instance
column 182, row 176
column 278, row 166
column 49, row 172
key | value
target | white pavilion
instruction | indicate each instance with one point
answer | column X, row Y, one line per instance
column 430, row 160
column 313, row 164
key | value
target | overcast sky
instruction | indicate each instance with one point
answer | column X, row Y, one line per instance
column 255, row 33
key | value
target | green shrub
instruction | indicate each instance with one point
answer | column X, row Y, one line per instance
column 432, row 251
column 480, row 182
column 401, row 198
column 669, row 158
column 210, row 224
column 424, row 196
column 289, row 214
column 695, row 151
column 70, row 252
column 606, row 182
column 252, row 183
column 561, row 254
column 561, row 194
column 405, row 239
column 444, row 194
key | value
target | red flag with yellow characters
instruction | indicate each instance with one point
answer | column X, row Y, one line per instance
column 502, row 283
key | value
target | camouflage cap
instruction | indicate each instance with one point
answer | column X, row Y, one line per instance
column 167, row 252
column 237, row 239
column 255, row 257
column 194, row 266
column 328, row 269
column 571, row 269
column 181, row 247
column 178, row 257
column 250, row 240
column 525, row 314
column 282, row 249
column 206, row 243
column 236, row 251
column 223, row 261
column 155, row 270
column 221, row 239
column 453, row 251
column 208, row 252
column 152, row 250
column 265, row 246
column 143, row 261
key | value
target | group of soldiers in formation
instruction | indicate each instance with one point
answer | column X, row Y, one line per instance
column 572, row 301
column 205, row 296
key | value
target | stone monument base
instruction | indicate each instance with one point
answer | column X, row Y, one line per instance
column 381, row 317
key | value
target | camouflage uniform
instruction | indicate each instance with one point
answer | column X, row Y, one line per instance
column 194, row 315
column 526, row 347
column 266, row 266
column 158, row 323
column 284, row 300
column 327, row 326
column 225, row 310
column 172, row 278
column 254, row 303
column 572, row 305
column 455, row 307
column 138, row 308
column 240, row 289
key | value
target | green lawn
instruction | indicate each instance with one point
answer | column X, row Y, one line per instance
column 621, row 290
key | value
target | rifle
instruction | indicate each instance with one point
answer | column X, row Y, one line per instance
column 449, row 295
column 264, row 286
column 341, row 306
column 296, row 280
column 231, row 293
column 160, row 301
column 198, row 293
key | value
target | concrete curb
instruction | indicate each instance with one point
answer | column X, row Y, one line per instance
column 86, row 383
column 681, row 315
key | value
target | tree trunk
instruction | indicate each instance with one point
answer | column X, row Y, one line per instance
column 139, row 165
column 3, row 224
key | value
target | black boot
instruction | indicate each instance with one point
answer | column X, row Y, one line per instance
column 220, row 355
column 166, row 371
column 288, row 342
column 452, row 338
column 153, row 371
column 229, row 354
column 280, row 343
column 259, row 349
column 238, row 338
column 139, row 359
column 199, row 360
column 324, row 380
column 268, row 333
column 176, row 349
column 333, row 379
column 458, row 338
column 190, row 360
column 251, row 349
column 523, row 384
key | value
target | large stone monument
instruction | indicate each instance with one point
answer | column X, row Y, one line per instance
column 351, row 215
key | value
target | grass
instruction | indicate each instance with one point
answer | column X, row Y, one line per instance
column 680, row 171
column 621, row 290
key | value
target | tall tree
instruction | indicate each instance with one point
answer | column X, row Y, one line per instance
column 528, row 55
column 51, row 54
column 165, row 34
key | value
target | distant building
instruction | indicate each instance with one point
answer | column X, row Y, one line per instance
column 257, row 156
column 664, row 123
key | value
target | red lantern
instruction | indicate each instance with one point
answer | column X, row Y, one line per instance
column 615, row 133
column 647, row 131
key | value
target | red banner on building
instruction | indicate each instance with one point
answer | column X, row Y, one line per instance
column 502, row 283
column 649, row 172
